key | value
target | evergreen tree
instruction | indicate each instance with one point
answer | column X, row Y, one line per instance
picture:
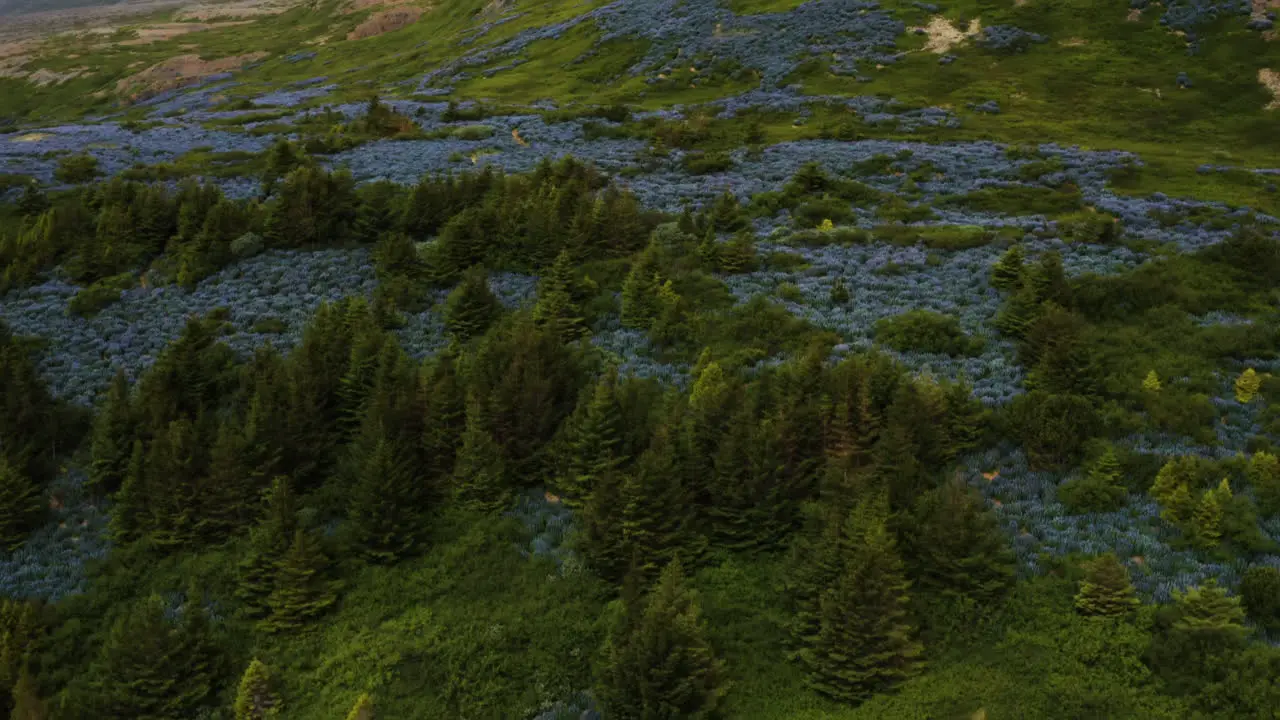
column 1206, row 523
column 1018, row 312
column 658, row 515
column 1048, row 280
column 444, row 413
column 640, row 293
column 1180, row 507
column 603, row 540
column 302, row 589
column 593, row 442
column 739, row 255
column 112, row 440
column 1247, row 385
column 1106, row 590
column 363, row 709
column 1260, row 595
column 471, row 308
column 27, row 704
column 150, row 667
column 268, row 543
column 865, row 643
column 556, row 307
column 1007, row 274
column 1264, row 475
column 661, row 665
column 21, row 505
column 255, row 699
column 386, row 505
column 33, row 200
column 1099, row 490
column 956, row 547
column 1151, row 383
column 479, row 475
column 1208, row 614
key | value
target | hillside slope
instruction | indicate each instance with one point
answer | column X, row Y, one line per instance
column 916, row 332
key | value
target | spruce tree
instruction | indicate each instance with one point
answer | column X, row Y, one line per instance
column 444, row 413
column 1007, row 274
column 27, row 704
column 739, row 255
column 1264, row 475
column 255, row 699
column 302, row 589
column 1260, row 595
column 658, row 516
column 556, row 307
column 956, row 548
column 839, row 295
column 661, row 666
column 640, row 293
column 1210, row 615
column 385, row 507
column 112, row 439
column 480, row 474
column 1151, row 383
column 21, row 505
column 603, row 540
column 864, row 643
column 1106, row 590
column 593, row 442
column 1206, row 523
column 268, row 543
column 1099, row 490
column 471, row 308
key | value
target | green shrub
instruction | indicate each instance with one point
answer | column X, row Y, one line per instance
column 76, row 169
column 926, row 331
column 812, row 213
column 1089, row 226
column 269, row 325
column 706, row 163
column 99, row 295
column 1018, row 200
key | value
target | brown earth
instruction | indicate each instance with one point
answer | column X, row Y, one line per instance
column 386, row 21
column 1270, row 79
column 177, row 72
column 167, row 31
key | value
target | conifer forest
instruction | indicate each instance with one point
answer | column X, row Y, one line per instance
column 640, row 360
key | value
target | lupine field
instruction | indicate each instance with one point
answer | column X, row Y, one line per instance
column 646, row 359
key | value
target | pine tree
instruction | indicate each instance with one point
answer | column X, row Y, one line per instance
column 739, row 255
column 640, row 293
column 1207, row 612
column 1264, row 475
column 21, row 505
column 1206, row 523
column 556, row 307
column 1180, row 507
column 363, row 709
column 33, row 200
column 386, row 505
column 1151, row 383
column 150, row 667
column 479, row 475
column 658, row 515
column 603, row 540
column 1106, row 590
column 1019, row 311
column 1260, row 595
column 471, row 308
column 1099, row 490
column 1007, row 274
column 593, row 442
column 27, row 704
column 255, row 700
column 444, row 413
column 956, row 547
column 302, row 589
column 661, row 666
column 268, row 543
column 112, row 440
column 865, row 643
column 1247, row 385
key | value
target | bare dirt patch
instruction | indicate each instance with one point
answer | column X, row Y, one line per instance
column 167, row 31
column 1073, row 42
column 43, row 76
column 235, row 9
column 1270, row 79
column 1134, row 15
column 943, row 35
column 177, row 72
column 386, row 21
column 355, row 6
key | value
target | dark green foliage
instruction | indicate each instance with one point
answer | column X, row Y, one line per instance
column 22, row 505
column 640, row 293
column 955, row 548
column 658, row 662
column 386, row 508
column 1106, row 590
column 839, row 292
column 1009, row 272
column 592, row 442
column 303, row 591
column 657, row 516
column 76, row 169
column 255, row 699
column 739, row 254
column 480, row 476
column 1100, row 489
column 557, row 308
column 152, row 667
column 471, row 308
column 864, row 642
column 27, row 703
column 1260, row 594
column 1053, row 428
column 926, row 331
column 269, row 540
